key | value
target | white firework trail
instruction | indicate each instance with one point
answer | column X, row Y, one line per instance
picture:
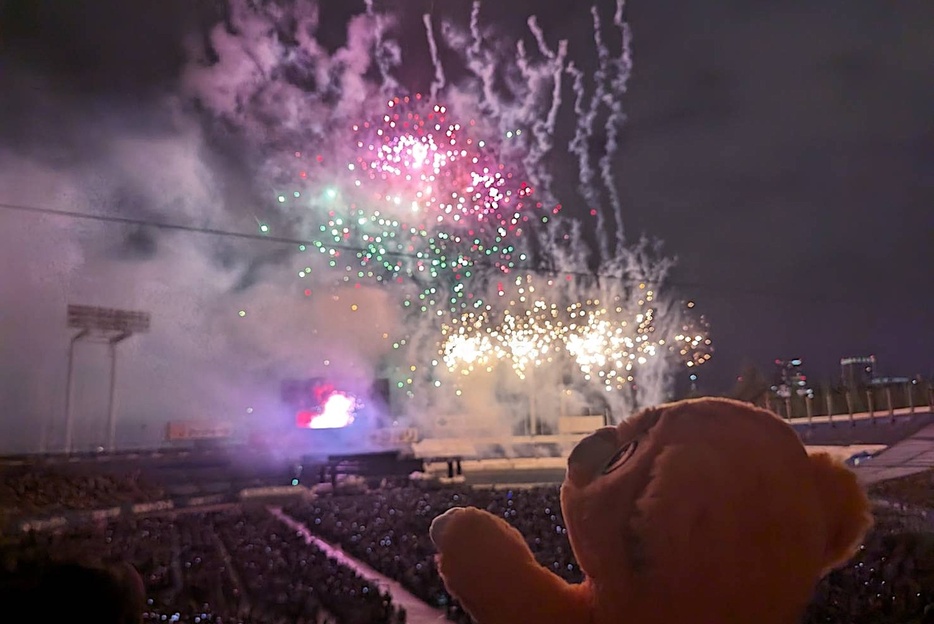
column 558, row 77
column 476, row 61
column 580, row 144
column 536, row 79
column 525, row 67
column 387, row 55
column 476, row 38
column 439, row 81
column 557, row 63
column 539, row 35
column 618, row 80
column 533, row 79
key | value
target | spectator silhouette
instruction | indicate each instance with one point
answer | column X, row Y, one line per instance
column 66, row 591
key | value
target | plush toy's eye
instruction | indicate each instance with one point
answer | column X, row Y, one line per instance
column 620, row 457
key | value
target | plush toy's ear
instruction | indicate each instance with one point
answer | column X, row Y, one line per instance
column 845, row 506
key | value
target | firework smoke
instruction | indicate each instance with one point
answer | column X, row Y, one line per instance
column 421, row 231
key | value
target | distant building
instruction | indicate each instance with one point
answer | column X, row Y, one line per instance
column 890, row 381
column 790, row 379
column 857, row 372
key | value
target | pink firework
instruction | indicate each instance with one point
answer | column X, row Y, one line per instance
column 435, row 176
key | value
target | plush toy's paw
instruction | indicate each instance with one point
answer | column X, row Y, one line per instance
column 488, row 566
column 440, row 524
column 473, row 536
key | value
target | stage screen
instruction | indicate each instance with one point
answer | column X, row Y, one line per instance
column 326, row 404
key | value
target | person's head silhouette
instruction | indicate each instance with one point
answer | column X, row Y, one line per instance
column 104, row 594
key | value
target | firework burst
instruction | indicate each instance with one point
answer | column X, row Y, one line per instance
column 444, row 201
column 425, row 202
column 606, row 339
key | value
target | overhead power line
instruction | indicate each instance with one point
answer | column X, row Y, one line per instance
column 264, row 237
column 272, row 238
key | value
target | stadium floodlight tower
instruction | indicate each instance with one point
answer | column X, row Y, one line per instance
column 110, row 327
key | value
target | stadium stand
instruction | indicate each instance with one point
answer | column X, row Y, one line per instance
column 240, row 563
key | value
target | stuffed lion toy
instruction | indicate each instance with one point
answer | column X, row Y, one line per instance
column 705, row 511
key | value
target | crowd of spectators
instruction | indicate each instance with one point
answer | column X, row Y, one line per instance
column 47, row 489
column 388, row 530
column 245, row 565
column 914, row 490
column 891, row 580
column 285, row 574
column 233, row 566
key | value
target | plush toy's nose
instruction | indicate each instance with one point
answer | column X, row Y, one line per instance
column 436, row 532
column 591, row 455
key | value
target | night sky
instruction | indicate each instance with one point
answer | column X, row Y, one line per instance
column 784, row 152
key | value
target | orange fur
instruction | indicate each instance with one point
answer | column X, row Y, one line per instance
column 713, row 514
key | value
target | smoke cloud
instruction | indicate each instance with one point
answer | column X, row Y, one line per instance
column 259, row 98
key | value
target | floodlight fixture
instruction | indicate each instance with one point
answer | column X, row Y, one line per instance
column 108, row 325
